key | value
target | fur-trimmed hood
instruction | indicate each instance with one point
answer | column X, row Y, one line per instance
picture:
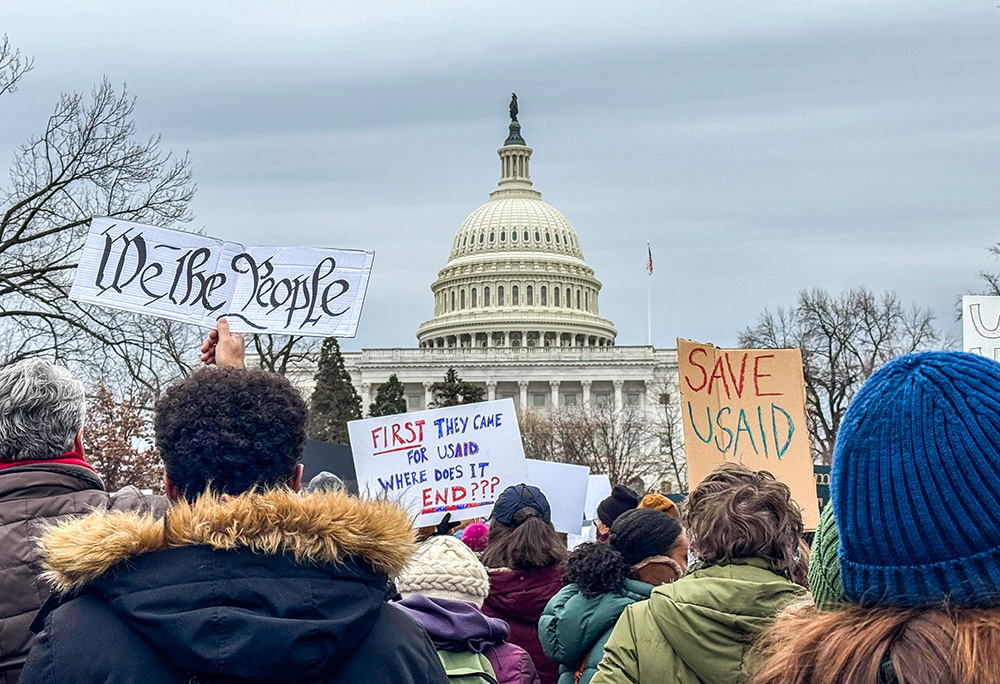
column 316, row 528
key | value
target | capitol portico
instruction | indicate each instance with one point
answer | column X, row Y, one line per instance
column 516, row 312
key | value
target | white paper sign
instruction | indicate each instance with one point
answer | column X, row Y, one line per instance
column 598, row 489
column 981, row 325
column 198, row 279
column 456, row 459
column 565, row 486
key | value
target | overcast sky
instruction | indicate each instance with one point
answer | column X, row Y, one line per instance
column 761, row 147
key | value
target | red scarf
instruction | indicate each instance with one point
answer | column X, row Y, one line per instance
column 69, row 458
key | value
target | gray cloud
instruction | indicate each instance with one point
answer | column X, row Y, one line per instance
column 760, row 147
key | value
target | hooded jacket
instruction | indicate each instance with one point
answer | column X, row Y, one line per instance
column 261, row 587
column 574, row 628
column 518, row 598
column 696, row 630
column 33, row 495
column 459, row 627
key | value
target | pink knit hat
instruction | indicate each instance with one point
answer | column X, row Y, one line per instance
column 476, row 536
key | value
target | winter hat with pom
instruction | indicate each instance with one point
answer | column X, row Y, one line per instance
column 476, row 536
column 622, row 499
column 824, row 564
column 445, row 568
column 916, row 484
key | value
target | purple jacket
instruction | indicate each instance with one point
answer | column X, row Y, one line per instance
column 456, row 626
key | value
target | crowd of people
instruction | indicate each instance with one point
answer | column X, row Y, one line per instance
column 242, row 574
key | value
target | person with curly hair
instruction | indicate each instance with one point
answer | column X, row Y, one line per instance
column 746, row 532
column 646, row 548
column 245, row 579
column 907, row 562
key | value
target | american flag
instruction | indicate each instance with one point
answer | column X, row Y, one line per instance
column 649, row 261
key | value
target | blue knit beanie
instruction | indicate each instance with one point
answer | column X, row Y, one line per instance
column 916, row 484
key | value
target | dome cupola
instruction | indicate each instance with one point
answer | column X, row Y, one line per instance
column 516, row 275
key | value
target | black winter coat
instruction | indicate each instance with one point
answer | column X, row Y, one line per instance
column 173, row 605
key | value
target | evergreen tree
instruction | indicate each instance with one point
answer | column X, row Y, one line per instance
column 334, row 400
column 389, row 398
column 454, row 391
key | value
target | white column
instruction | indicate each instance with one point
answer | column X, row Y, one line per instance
column 523, row 386
column 491, row 390
column 428, row 395
column 586, row 392
column 366, row 397
column 649, row 396
column 618, row 394
column 554, row 385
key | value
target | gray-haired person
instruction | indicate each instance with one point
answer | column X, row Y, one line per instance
column 44, row 476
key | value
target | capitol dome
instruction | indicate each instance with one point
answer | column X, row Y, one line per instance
column 516, row 275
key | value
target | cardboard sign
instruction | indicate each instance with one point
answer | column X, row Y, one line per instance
column 598, row 489
column 456, row 459
column 565, row 486
column 747, row 406
column 981, row 325
column 198, row 279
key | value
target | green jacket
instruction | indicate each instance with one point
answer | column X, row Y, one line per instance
column 573, row 628
column 698, row 629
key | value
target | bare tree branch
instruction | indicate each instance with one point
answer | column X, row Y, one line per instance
column 87, row 161
column 13, row 65
column 843, row 341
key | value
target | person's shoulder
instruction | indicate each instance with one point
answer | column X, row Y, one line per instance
column 737, row 588
column 397, row 649
column 513, row 664
column 84, row 641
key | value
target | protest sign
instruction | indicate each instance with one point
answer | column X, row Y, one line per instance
column 565, row 486
column 747, row 406
column 198, row 279
column 456, row 459
column 598, row 489
column 981, row 325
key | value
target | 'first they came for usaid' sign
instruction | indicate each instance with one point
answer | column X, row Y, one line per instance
column 198, row 279
column 450, row 460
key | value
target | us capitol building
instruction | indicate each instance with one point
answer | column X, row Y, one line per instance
column 516, row 312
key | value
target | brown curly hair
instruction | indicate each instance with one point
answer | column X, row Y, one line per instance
column 737, row 513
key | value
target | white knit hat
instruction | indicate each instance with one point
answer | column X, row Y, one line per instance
column 443, row 567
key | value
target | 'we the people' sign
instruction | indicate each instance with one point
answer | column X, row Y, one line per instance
column 198, row 279
column 747, row 406
column 450, row 460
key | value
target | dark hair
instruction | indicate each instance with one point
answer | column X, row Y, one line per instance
column 636, row 535
column 231, row 429
column 737, row 513
column 622, row 499
column 530, row 543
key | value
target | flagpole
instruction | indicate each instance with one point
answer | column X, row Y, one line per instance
column 649, row 298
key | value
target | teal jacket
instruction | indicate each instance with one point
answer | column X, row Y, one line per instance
column 573, row 628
